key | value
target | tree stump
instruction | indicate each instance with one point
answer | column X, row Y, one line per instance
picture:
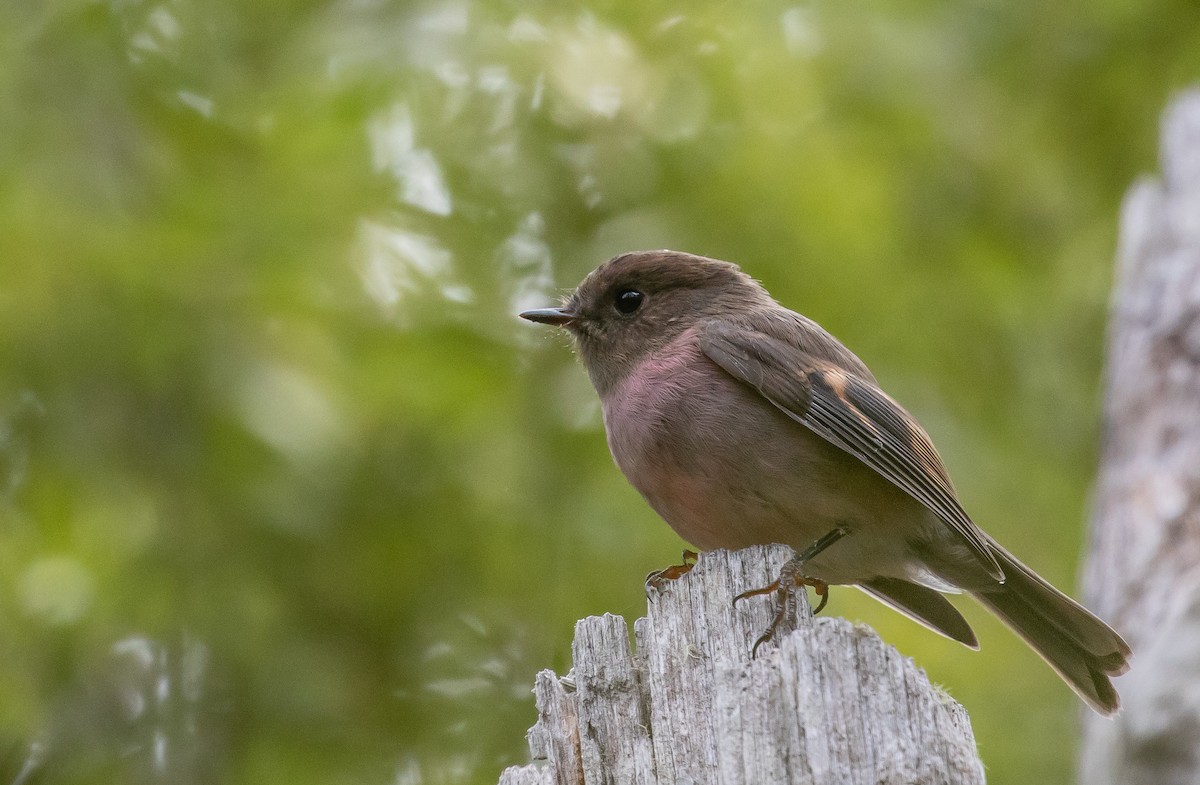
column 1143, row 574
column 826, row 701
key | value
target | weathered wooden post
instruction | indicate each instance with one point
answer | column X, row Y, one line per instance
column 1144, row 569
column 826, row 702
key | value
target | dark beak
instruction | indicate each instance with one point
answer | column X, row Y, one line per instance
column 555, row 316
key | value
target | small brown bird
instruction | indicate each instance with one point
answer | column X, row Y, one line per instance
column 742, row 422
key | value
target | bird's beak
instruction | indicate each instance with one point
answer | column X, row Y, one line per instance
column 559, row 317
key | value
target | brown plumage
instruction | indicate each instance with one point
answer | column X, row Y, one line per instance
column 743, row 422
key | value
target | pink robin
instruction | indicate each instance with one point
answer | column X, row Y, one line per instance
column 742, row 422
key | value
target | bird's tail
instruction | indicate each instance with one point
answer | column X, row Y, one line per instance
column 1083, row 650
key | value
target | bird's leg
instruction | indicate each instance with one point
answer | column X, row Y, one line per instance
column 792, row 577
column 656, row 579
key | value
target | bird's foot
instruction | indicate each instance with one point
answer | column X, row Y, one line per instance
column 792, row 577
column 784, row 587
column 657, row 579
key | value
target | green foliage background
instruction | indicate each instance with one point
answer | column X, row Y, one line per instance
column 288, row 494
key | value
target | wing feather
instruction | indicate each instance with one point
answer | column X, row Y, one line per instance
column 849, row 412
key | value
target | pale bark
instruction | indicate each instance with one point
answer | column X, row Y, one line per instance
column 826, row 702
column 1143, row 574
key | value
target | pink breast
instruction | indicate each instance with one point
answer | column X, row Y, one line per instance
column 637, row 414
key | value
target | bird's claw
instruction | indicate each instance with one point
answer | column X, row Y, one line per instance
column 784, row 587
column 657, row 579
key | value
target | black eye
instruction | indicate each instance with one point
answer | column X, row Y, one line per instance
column 628, row 300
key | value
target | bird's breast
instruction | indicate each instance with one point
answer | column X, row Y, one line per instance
column 727, row 469
column 707, row 452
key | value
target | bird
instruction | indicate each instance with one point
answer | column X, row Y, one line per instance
column 742, row 422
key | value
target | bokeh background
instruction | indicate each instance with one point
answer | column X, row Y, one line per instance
column 288, row 494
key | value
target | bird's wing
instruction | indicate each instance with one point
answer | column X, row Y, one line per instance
column 924, row 606
column 848, row 412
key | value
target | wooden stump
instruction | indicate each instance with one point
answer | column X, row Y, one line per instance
column 1143, row 574
column 826, row 702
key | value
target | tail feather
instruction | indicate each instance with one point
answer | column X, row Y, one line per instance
column 1081, row 648
column 924, row 605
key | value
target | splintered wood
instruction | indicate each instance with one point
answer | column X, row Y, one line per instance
column 826, row 701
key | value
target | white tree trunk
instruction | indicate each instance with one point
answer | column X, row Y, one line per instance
column 1144, row 569
column 826, row 702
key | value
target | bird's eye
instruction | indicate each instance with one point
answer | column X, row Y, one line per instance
column 628, row 300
